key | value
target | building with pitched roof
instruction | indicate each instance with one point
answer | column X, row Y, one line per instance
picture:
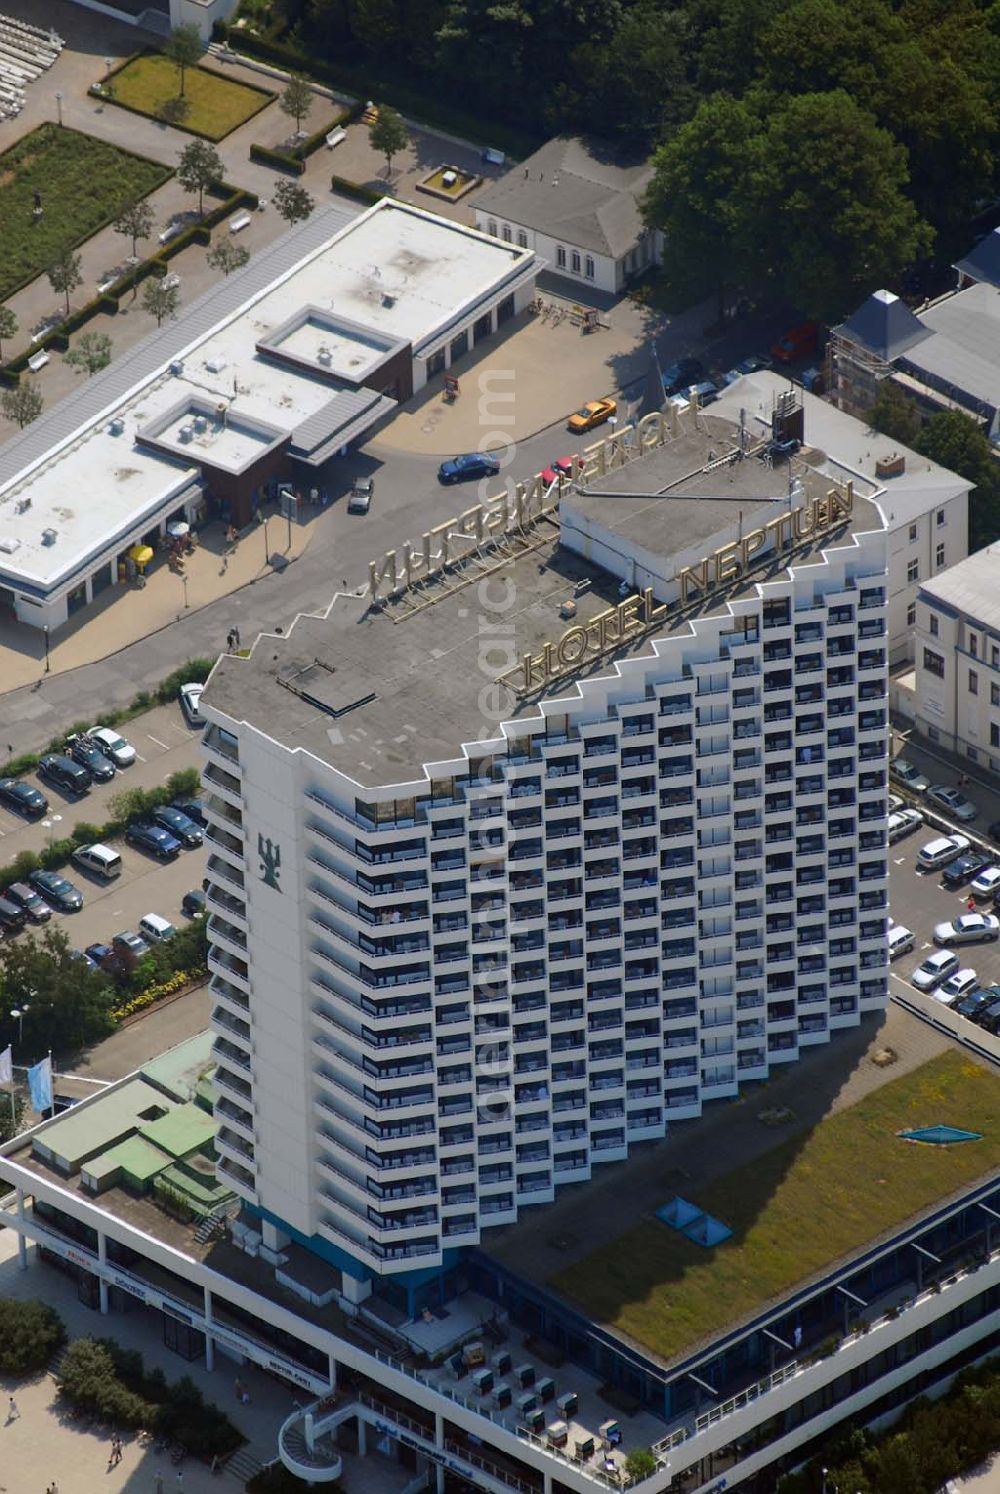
column 576, row 202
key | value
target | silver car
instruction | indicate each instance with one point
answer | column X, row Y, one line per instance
column 936, row 968
column 969, row 928
column 952, row 801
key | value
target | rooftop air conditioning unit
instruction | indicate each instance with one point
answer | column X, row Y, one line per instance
column 568, row 609
column 117, row 426
column 49, row 536
column 177, row 368
column 22, row 505
column 185, row 433
column 200, row 424
column 216, row 364
column 325, row 357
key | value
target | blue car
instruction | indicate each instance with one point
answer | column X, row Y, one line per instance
column 154, row 840
column 471, row 464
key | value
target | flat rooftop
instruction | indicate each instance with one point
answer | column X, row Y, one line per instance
column 380, row 691
column 803, row 1194
column 391, row 276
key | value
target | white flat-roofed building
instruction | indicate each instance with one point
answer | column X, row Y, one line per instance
column 478, row 927
column 270, row 375
column 926, row 506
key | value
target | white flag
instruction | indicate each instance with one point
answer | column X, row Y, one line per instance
column 6, row 1067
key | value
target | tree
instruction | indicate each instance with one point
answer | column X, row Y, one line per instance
column 91, row 353
column 160, row 299
column 65, row 274
column 807, row 192
column 8, row 326
column 22, row 404
column 69, row 1005
column 959, row 442
column 30, row 1334
column 135, row 222
column 895, row 414
column 292, row 201
column 12, row 1116
column 173, row 111
column 200, row 165
column 388, row 134
column 227, row 256
column 184, row 48
column 640, row 1463
column 297, row 99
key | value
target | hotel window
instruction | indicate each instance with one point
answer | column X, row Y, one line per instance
column 913, row 571
column 973, row 682
column 506, row 233
column 522, row 239
column 994, row 734
column 576, row 261
column 940, row 518
column 913, row 532
column 589, row 267
column 911, row 615
column 560, row 257
column 934, row 626
column 995, row 695
column 995, row 655
column 939, row 555
column 974, row 644
column 491, row 228
column 934, row 663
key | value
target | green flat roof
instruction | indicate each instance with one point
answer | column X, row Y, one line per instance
column 93, row 1127
column 138, row 1159
column 795, row 1211
column 184, row 1130
column 179, row 1070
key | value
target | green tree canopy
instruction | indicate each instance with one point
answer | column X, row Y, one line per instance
column 297, row 99
column 67, row 1004
column 23, row 403
column 65, row 274
column 388, row 134
column 183, row 47
column 198, row 167
column 292, row 202
column 91, row 353
column 807, row 191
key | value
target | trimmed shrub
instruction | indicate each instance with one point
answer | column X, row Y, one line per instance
column 281, row 160
column 30, row 1334
column 369, row 195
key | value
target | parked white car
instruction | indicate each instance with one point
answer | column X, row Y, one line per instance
column 959, row 984
column 903, row 823
column 936, row 968
column 969, row 928
column 987, row 884
column 937, row 853
column 901, row 940
column 121, row 753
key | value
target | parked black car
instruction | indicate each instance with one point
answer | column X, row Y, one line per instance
column 23, row 797
column 57, row 891
column 192, row 808
column 965, row 868
column 186, row 830
column 64, row 773
column 27, row 898
column 83, row 751
column 12, row 916
column 681, row 375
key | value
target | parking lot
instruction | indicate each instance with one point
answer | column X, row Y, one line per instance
column 920, row 900
column 164, row 744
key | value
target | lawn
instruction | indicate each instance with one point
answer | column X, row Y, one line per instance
column 218, row 105
column 83, row 182
column 795, row 1211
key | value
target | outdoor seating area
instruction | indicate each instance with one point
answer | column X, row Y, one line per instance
column 26, row 52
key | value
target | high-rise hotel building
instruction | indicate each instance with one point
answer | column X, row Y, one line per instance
column 573, row 821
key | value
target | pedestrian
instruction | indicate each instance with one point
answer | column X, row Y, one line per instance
column 236, row 636
column 971, row 905
column 158, row 1487
column 230, row 641
column 12, row 1411
column 180, row 1479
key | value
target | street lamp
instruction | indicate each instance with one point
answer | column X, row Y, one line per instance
column 184, row 579
column 19, row 1013
column 50, row 825
column 267, row 552
column 45, row 630
column 59, row 107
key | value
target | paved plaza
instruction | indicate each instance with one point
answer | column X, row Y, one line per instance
column 43, row 1444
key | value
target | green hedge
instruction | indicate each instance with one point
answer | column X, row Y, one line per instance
column 360, row 193
column 365, row 83
column 281, row 160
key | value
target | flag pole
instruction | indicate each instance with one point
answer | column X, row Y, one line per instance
column 52, row 1089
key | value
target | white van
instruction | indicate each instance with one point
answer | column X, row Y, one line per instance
column 901, row 940
column 155, row 929
column 102, row 861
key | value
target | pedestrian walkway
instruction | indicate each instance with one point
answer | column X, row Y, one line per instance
column 43, row 1443
column 215, row 570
